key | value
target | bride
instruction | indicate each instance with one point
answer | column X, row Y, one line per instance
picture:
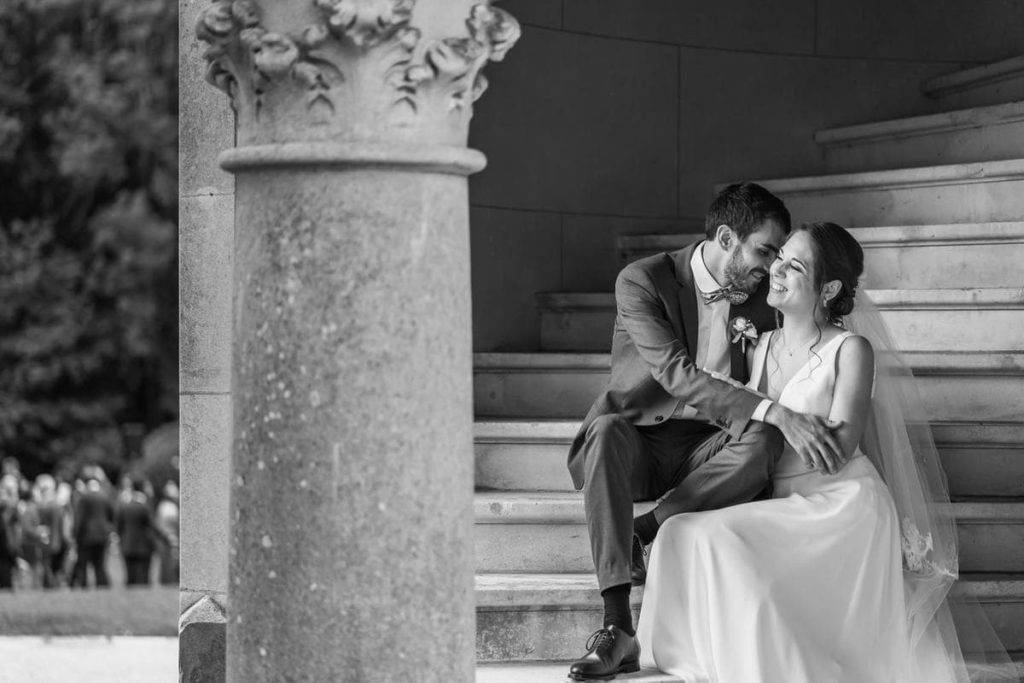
column 842, row 575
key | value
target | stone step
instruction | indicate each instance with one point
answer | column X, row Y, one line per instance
column 522, row 455
column 991, row 534
column 994, row 83
column 555, row 672
column 633, row 247
column 530, row 455
column 538, row 532
column 982, row 459
column 989, row 319
column 960, row 193
column 537, row 385
column 905, row 257
column 955, row 386
column 965, row 135
column 530, row 617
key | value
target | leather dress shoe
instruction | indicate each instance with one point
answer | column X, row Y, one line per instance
column 610, row 651
column 637, row 566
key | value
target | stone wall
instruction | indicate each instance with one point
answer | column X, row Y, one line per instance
column 617, row 117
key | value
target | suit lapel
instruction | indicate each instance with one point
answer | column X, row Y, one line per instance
column 687, row 295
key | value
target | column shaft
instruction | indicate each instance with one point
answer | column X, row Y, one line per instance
column 352, row 462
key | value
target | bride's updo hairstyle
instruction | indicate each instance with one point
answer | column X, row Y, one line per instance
column 839, row 257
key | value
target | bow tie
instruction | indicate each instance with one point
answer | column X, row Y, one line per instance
column 734, row 295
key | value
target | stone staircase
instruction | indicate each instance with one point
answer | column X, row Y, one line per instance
column 937, row 202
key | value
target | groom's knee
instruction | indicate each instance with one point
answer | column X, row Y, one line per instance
column 608, row 439
column 608, row 428
column 765, row 443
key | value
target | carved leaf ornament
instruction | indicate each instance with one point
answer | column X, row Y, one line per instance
column 357, row 49
column 366, row 22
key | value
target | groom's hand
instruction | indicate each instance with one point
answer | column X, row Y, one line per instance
column 813, row 438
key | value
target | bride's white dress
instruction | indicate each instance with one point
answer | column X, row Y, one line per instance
column 806, row 587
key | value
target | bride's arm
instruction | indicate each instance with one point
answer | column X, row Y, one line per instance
column 851, row 398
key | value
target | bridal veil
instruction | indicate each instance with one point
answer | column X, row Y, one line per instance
column 899, row 442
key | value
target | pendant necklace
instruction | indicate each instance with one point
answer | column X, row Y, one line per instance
column 786, row 346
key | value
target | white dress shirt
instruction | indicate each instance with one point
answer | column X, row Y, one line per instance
column 713, row 353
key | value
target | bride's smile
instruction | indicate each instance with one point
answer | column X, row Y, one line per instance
column 791, row 287
column 795, row 287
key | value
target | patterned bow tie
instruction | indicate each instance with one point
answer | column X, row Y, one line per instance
column 734, row 296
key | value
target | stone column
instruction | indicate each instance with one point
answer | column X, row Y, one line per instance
column 352, row 475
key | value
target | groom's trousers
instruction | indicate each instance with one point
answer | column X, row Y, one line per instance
column 698, row 466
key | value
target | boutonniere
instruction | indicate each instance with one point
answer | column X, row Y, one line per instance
column 743, row 331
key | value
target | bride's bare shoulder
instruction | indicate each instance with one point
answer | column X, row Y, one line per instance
column 855, row 355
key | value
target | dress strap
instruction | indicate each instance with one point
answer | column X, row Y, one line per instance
column 836, row 343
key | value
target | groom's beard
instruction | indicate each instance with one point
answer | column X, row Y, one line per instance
column 740, row 275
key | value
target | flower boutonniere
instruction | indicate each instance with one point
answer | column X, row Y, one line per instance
column 742, row 332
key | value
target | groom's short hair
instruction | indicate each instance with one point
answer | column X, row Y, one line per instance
column 744, row 207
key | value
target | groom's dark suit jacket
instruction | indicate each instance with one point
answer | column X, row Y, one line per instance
column 653, row 346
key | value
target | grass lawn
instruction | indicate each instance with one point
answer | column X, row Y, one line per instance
column 111, row 612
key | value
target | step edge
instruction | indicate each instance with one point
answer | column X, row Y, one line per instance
column 969, row 298
column 998, row 232
column 1011, row 511
column 558, row 669
column 566, row 507
column 1011, row 433
column 934, row 362
column 561, row 432
column 500, row 507
column 922, row 176
column 973, row 77
column 553, row 671
column 917, row 126
column 551, row 361
column 580, row 590
column 505, row 431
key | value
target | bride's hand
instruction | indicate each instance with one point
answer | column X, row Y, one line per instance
column 813, row 438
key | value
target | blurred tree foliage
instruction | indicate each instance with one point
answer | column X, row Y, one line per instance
column 88, row 226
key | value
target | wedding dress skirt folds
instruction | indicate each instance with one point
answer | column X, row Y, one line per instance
column 806, row 587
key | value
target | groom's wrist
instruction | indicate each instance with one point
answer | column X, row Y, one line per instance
column 761, row 411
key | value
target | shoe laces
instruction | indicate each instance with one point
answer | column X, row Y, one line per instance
column 599, row 638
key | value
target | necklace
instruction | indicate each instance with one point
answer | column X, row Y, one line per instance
column 791, row 350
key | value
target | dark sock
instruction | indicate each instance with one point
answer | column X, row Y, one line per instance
column 616, row 608
column 646, row 527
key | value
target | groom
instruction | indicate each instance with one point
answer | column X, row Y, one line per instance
column 671, row 424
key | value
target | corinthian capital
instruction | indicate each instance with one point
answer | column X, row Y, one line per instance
column 353, row 70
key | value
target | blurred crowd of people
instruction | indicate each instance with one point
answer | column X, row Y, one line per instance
column 55, row 533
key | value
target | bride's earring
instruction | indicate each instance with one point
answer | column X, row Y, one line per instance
column 822, row 309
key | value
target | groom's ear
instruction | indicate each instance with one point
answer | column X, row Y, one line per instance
column 725, row 237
